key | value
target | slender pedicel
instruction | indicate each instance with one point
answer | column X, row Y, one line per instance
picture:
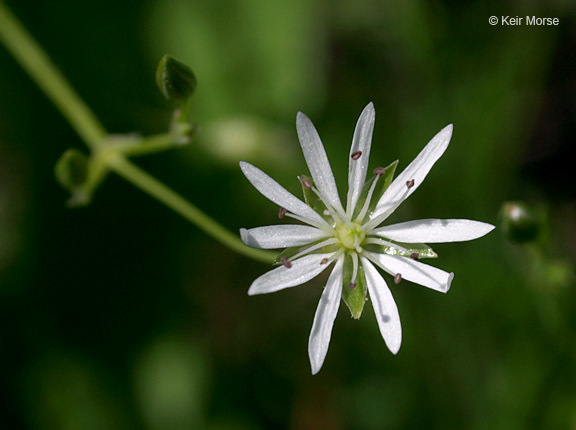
column 397, row 278
column 355, row 156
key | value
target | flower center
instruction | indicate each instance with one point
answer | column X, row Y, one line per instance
column 350, row 236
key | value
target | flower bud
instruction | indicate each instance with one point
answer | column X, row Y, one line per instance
column 175, row 79
column 72, row 169
column 520, row 222
column 72, row 172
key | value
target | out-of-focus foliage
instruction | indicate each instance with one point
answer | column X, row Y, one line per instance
column 122, row 315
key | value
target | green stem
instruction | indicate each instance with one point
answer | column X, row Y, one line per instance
column 148, row 145
column 173, row 200
column 33, row 59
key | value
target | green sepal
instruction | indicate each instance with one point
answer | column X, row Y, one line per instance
column 312, row 199
column 423, row 250
column 353, row 297
column 80, row 175
column 72, row 169
column 291, row 252
column 382, row 185
column 175, row 79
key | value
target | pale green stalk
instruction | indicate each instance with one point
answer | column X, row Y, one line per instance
column 33, row 59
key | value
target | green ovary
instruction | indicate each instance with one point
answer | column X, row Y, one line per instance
column 350, row 235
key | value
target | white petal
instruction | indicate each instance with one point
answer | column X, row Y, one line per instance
column 384, row 307
column 281, row 236
column 273, row 191
column 302, row 270
column 414, row 271
column 435, row 230
column 317, row 160
column 324, row 318
column 397, row 192
column 361, row 141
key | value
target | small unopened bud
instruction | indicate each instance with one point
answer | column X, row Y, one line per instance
column 352, row 285
column 324, row 261
column 379, row 171
column 175, row 79
column 522, row 222
column 72, row 169
column 397, row 278
column 356, row 155
column 281, row 213
column 414, row 256
column 286, row 263
column 410, row 183
column 306, row 183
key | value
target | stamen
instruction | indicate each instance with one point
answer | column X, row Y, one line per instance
column 370, row 224
column 306, row 183
column 397, row 278
column 415, row 256
column 338, row 217
column 308, row 250
column 286, row 263
column 410, row 183
column 281, row 213
column 324, row 261
column 354, row 267
column 362, row 213
column 380, row 171
column 324, row 226
column 357, row 246
column 379, row 241
column 356, row 155
column 352, row 285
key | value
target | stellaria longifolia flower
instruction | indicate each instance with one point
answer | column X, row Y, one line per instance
column 350, row 237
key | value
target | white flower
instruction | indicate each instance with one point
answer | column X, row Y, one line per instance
column 350, row 237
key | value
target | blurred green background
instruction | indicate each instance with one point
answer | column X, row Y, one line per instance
column 123, row 316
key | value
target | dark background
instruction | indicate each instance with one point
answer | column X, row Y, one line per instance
column 122, row 315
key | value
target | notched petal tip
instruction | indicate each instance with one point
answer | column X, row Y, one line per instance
column 369, row 111
column 300, row 118
column 447, row 131
column 480, row 229
column 449, row 283
column 489, row 228
column 244, row 235
column 244, row 166
column 395, row 348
